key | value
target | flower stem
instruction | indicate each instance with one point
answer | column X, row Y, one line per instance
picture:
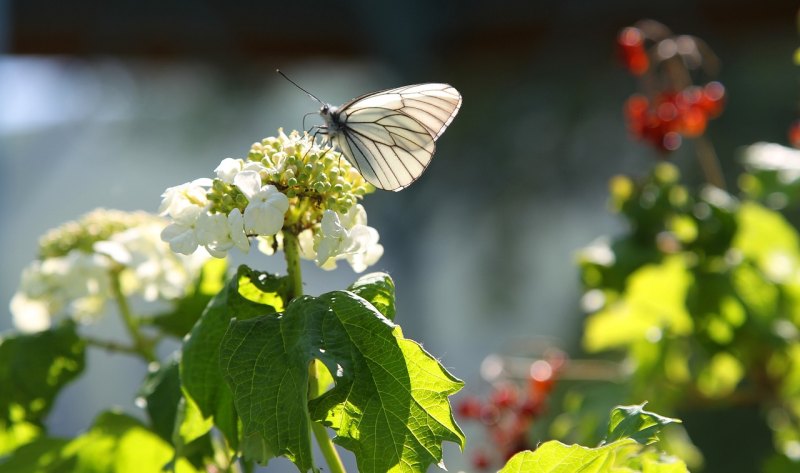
column 141, row 345
column 291, row 249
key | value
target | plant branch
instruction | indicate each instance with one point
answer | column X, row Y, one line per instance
column 110, row 346
column 141, row 345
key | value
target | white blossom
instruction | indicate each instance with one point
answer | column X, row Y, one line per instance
column 228, row 168
column 347, row 237
column 79, row 283
column 265, row 212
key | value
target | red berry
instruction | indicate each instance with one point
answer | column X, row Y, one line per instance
column 632, row 52
column 490, row 414
column 794, row 134
column 480, row 460
column 504, row 396
column 713, row 99
column 693, row 122
column 531, row 408
column 469, row 408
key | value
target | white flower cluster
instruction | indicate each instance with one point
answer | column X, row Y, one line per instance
column 287, row 184
column 77, row 281
column 195, row 223
column 342, row 237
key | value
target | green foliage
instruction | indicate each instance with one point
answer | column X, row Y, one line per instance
column 115, row 443
column 701, row 296
column 389, row 404
column 631, row 430
column 34, row 368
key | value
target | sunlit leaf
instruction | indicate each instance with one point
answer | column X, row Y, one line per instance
column 115, row 443
column 378, row 289
column 636, row 423
column 653, row 303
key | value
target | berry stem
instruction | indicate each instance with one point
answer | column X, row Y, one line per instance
column 709, row 162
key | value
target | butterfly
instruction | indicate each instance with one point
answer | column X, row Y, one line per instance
column 390, row 135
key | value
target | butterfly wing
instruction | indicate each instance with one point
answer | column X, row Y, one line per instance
column 390, row 135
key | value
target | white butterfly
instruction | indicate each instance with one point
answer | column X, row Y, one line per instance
column 390, row 135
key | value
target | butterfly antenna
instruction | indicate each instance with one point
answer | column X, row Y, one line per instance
column 296, row 85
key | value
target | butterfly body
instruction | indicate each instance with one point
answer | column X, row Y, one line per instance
column 390, row 135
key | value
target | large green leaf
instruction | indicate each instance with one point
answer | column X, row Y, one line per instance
column 116, row 443
column 34, row 368
column 200, row 373
column 636, row 423
column 390, row 402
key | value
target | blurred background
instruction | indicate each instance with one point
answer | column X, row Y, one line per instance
column 107, row 103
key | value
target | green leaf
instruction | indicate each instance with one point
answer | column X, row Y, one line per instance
column 622, row 456
column 15, row 435
column 162, row 392
column 636, row 423
column 654, row 302
column 116, row 443
column 765, row 237
column 179, row 321
column 378, row 289
column 200, row 373
column 34, row 368
column 389, row 405
column 555, row 457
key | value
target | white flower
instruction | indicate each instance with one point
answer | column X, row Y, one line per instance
column 150, row 268
column 182, row 235
column 228, row 169
column 347, row 237
column 29, row 315
column 333, row 237
column 249, row 182
column 78, row 283
column 367, row 250
column 236, row 230
column 265, row 212
column 185, row 199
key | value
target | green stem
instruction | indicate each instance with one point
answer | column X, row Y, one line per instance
column 141, row 345
column 291, row 249
column 111, row 346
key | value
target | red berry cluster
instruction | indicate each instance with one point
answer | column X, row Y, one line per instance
column 631, row 50
column 510, row 411
column 671, row 116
